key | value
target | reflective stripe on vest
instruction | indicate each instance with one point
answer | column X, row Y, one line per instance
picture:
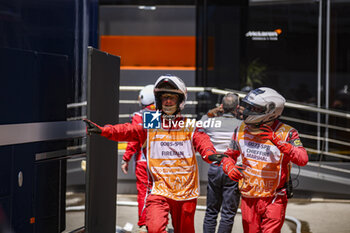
column 262, row 161
column 172, row 163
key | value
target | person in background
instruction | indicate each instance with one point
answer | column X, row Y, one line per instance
column 267, row 148
column 143, row 184
column 222, row 192
column 171, row 158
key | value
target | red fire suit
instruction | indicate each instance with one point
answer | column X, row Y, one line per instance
column 160, row 204
column 264, row 202
column 143, row 183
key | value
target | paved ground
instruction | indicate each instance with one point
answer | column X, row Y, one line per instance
column 315, row 215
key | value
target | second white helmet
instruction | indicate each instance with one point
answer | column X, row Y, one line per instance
column 146, row 95
column 262, row 105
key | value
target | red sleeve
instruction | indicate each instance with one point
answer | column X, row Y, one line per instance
column 203, row 145
column 134, row 147
column 125, row 132
column 298, row 154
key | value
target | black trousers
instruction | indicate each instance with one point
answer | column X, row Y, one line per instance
column 222, row 193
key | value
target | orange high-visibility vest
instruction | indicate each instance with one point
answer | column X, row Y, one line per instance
column 172, row 163
column 262, row 161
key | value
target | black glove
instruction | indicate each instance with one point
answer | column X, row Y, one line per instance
column 216, row 158
column 92, row 128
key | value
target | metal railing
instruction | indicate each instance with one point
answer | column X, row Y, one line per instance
column 297, row 106
column 301, row 107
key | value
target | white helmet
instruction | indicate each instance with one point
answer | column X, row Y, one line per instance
column 146, row 95
column 262, row 105
column 170, row 84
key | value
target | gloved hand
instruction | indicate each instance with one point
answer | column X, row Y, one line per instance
column 231, row 169
column 269, row 134
column 92, row 128
column 233, row 153
column 217, row 158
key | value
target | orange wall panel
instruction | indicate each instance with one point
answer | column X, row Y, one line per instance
column 179, row 51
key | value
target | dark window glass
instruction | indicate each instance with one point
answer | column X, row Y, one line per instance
column 339, row 82
column 282, row 53
column 281, row 50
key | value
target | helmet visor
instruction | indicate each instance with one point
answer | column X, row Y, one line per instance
column 252, row 109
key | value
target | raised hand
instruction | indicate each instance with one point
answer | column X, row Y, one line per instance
column 269, row 134
column 215, row 111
